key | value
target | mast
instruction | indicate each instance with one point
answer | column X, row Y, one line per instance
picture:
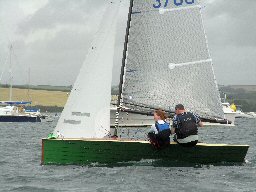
column 1, row 76
column 119, row 102
column 0, row 83
column 28, row 91
column 10, row 71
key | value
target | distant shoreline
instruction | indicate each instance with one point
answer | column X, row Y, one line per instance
column 53, row 98
column 39, row 97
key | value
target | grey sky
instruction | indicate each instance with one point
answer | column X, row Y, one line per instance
column 51, row 37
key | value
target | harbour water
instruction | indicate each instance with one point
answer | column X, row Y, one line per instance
column 20, row 169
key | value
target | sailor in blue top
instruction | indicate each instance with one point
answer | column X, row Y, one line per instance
column 185, row 126
column 159, row 134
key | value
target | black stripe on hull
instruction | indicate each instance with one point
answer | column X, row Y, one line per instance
column 19, row 119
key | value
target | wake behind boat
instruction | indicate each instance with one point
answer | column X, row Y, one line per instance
column 165, row 61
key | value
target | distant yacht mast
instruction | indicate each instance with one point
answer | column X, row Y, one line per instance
column 28, row 86
column 10, row 72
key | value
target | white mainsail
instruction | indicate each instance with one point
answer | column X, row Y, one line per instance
column 86, row 113
column 168, row 61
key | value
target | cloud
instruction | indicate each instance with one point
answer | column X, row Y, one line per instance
column 231, row 22
column 53, row 40
column 51, row 37
column 62, row 12
column 230, row 27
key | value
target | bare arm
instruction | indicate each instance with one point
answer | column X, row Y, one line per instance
column 153, row 129
column 198, row 120
column 173, row 131
column 200, row 124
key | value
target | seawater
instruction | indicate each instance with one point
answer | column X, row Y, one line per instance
column 20, row 169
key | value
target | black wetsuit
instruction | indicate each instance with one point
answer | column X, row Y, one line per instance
column 185, row 125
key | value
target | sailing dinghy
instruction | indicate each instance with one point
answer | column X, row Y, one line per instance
column 165, row 61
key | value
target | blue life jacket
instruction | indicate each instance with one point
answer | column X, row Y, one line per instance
column 162, row 127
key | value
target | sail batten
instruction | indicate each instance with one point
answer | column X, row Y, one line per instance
column 168, row 60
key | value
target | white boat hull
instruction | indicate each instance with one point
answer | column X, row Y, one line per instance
column 231, row 117
column 244, row 115
column 252, row 114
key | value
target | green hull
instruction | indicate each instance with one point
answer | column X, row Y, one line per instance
column 114, row 152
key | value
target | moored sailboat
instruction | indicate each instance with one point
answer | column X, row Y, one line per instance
column 14, row 111
column 165, row 62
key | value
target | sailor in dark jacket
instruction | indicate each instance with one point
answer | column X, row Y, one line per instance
column 185, row 126
column 159, row 134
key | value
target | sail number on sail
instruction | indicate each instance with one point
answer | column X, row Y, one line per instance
column 165, row 3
